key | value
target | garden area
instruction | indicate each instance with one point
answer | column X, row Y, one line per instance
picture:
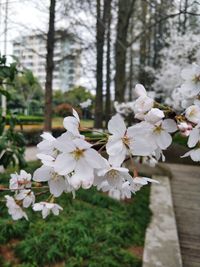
column 93, row 229
column 99, row 133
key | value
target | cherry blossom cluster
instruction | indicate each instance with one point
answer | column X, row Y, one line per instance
column 70, row 161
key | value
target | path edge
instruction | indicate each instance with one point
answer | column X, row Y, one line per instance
column 162, row 247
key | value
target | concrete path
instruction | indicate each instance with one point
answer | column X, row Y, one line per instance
column 30, row 153
column 185, row 184
column 161, row 241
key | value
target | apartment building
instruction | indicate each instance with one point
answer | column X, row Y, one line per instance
column 31, row 54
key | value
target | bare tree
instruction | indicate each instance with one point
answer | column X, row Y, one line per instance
column 125, row 10
column 100, row 39
column 108, row 66
column 49, row 67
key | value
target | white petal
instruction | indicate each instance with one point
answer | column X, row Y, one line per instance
column 72, row 125
column 37, row 207
column 117, row 159
column 94, row 159
column 187, row 73
column 195, row 155
column 169, row 125
column 83, row 169
column 47, row 136
column 64, row 164
column 81, row 144
column 117, row 126
column 141, row 147
column 114, row 147
column 187, row 154
column 64, row 145
column 43, row 174
column 57, row 186
column 140, row 90
column 74, row 112
column 163, row 139
column 194, row 137
column 45, row 212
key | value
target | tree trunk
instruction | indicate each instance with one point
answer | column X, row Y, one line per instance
column 100, row 38
column 49, row 68
column 99, row 68
column 143, row 44
column 125, row 9
column 108, row 62
column 185, row 17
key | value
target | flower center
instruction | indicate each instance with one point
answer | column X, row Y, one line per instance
column 158, row 129
column 126, row 140
column 112, row 174
column 78, row 153
column 192, row 112
column 196, row 78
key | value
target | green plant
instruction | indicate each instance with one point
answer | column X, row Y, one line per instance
column 93, row 230
column 11, row 142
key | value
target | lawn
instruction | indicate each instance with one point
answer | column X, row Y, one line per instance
column 57, row 122
column 92, row 231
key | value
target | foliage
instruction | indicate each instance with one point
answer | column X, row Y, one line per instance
column 27, row 93
column 94, row 230
column 74, row 96
column 64, row 110
column 23, row 119
column 11, row 142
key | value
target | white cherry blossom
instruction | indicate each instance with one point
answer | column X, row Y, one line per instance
column 160, row 133
column 56, row 182
column 78, row 159
column 140, row 90
column 192, row 113
column 138, row 182
column 191, row 76
column 26, row 196
column 185, row 128
column 194, row 136
column 20, row 181
column 72, row 123
column 86, row 103
column 14, row 209
column 154, row 115
column 123, row 140
column 194, row 154
column 47, row 145
column 46, row 208
column 142, row 105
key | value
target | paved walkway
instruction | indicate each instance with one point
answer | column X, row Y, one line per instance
column 30, row 153
column 185, row 184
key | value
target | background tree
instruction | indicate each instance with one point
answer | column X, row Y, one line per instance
column 26, row 94
column 125, row 10
column 49, row 67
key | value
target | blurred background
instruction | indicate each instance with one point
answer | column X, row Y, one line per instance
column 79, row 50
column 89, row 55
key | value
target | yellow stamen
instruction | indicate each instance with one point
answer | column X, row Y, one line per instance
column 78, row 153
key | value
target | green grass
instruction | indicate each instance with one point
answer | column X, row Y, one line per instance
column 92, row 231
column 179, row 139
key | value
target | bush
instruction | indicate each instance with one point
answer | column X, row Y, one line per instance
column 64, row 110
column 24, row 120
column 32, row 136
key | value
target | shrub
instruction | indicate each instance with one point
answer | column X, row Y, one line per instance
column 64, row 110
column 24, row 120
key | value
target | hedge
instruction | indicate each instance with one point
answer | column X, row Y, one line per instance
column 32, row 134
column 24, row 120
column 33, row 137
